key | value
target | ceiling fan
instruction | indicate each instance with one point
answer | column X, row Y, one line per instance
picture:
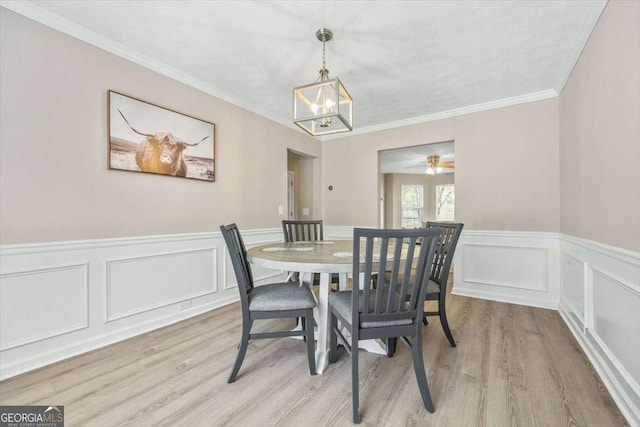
column 436, row 166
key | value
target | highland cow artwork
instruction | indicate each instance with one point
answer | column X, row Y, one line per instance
column 147, row 138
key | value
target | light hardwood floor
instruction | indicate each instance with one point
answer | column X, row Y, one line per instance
column 514, row 366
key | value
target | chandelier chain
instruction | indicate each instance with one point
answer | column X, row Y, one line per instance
column 324, row 63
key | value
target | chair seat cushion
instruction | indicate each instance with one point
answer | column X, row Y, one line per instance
column 340, row 302
column 432, row 287
column 281, row 296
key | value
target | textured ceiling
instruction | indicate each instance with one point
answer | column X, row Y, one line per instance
column 400, row 60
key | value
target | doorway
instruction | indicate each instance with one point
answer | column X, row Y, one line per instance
column 417, row 185
column 299, row 185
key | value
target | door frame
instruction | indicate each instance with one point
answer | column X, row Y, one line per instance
column 291, row 196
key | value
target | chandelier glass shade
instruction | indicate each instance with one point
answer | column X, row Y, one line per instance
column 323, row 107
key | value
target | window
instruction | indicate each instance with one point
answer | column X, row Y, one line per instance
column 445, row 202
column 412, row 206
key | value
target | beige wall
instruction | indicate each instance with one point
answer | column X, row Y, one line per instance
column 600, row 133
column 506, row 168
column 393, row 194
column 54, row 181
column 54, row 184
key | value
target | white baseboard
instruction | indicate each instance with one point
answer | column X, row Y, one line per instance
column 61, row 353
column 169, row 279
column 605, row 372
column 600, row 303
column 501, row 297
column 595, row 287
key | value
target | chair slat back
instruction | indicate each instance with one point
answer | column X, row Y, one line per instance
column 296, row 231
column 238, row 254
column 445, row 248
column 376, row 251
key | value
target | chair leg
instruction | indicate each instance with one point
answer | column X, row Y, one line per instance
column 333, row 339
column 424, row 320
column 445, row 323
column 421, row 376
column 311, row 345
column 304, row 327
column 242, row 349
column 391, row 346
column 354, row 380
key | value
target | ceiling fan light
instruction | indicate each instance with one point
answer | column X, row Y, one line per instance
column 431, row 171
column 438, row 169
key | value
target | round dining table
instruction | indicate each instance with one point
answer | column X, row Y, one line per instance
column 323, row 257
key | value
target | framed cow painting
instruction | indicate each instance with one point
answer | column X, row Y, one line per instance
column 144, row 137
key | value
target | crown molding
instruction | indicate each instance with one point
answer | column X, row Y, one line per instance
column 597, row 7
column 31, row 11
column 491, row 105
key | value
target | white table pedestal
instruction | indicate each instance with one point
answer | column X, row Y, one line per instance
column 325, row 258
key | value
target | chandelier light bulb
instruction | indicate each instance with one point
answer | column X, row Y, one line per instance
column 329, row 103
column 314, row 108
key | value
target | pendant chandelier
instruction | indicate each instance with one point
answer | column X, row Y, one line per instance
column 323, row 107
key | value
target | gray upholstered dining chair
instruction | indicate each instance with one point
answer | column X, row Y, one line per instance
column 438, row 276
column 437, row 288
column 306, row 230
column 385, row 311
column 278, row 300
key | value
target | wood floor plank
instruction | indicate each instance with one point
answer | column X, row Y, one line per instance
column 468, row 382
column 514, row 366
column 511, row 404
column 547, row 381
column 583, row 385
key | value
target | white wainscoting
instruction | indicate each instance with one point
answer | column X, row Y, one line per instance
column 128, row 279
column 53, row 301
column 61, row 299
column 515, row 267
column 339, row 232
column 78, row 296
column 600, row 302
column 595, row 287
